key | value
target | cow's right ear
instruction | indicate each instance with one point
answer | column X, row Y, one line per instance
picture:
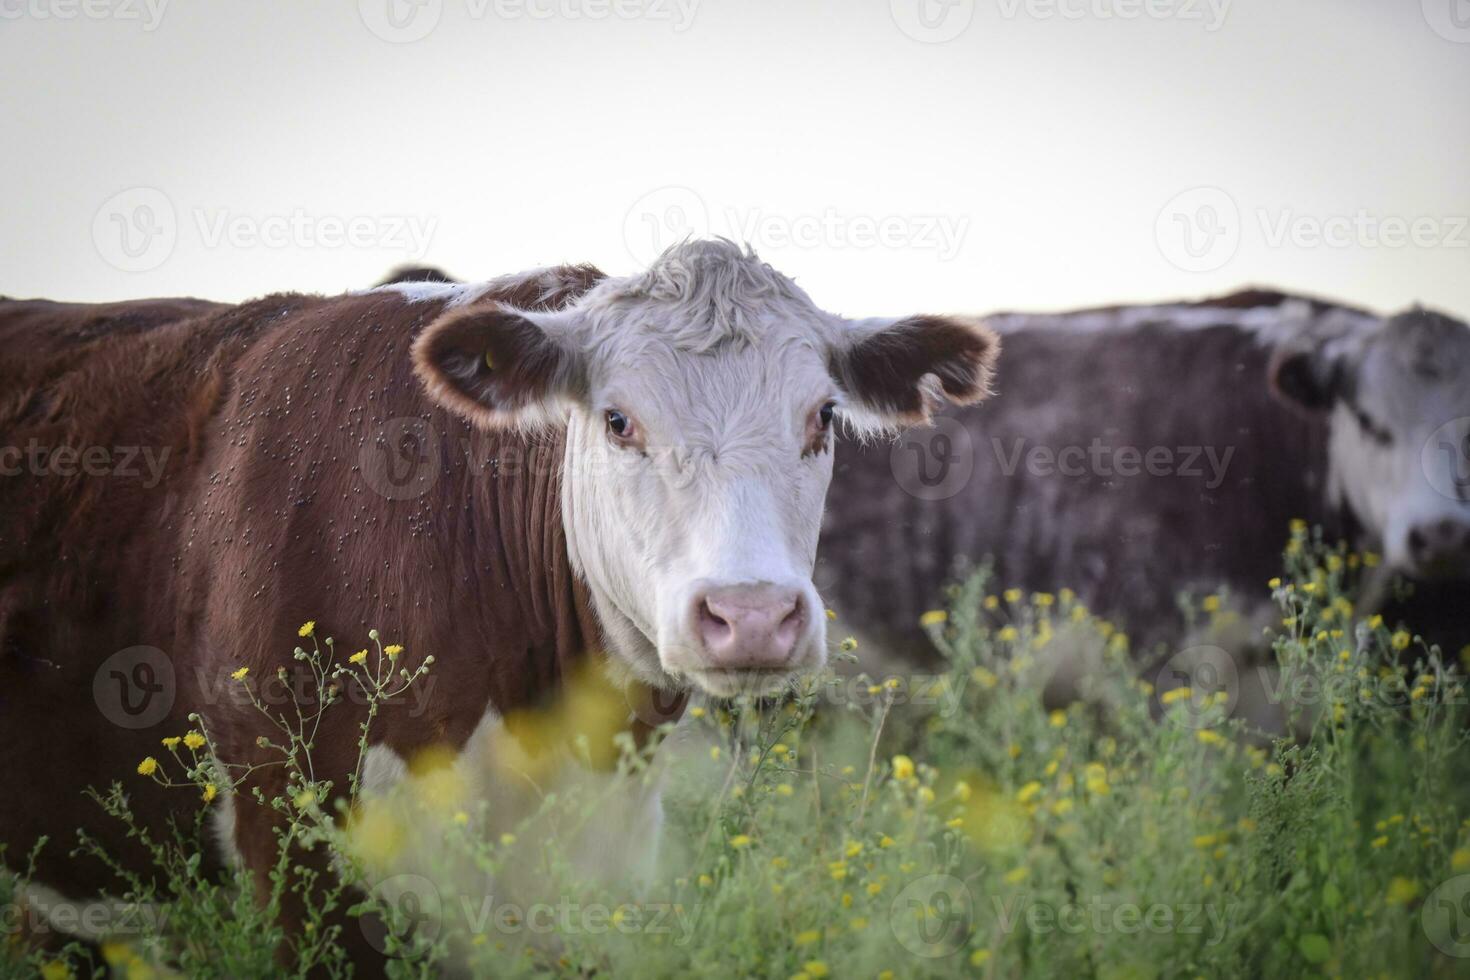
column 1305, row 377
column 501, row 368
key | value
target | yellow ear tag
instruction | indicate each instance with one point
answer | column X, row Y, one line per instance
column 489, row 360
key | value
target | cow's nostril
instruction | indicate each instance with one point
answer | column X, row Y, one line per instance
column 711, row 625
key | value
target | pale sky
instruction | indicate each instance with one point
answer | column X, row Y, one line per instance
column 894, row 157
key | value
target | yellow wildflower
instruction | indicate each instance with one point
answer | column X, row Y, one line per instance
column 1017, row 875
column 358, row 658
column 307, row 628
column 393, row 650
column 934, row 617
column 1401, row 891
column 148, row 766
column 172, row 742
column 239, row 675
column 210, row 791
column 903, row 767
column 808, row 937
column 194, row 740
column 739, row 841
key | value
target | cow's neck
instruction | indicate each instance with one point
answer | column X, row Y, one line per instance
column 572, row 632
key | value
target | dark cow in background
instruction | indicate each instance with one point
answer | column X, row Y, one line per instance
column 1137, row 452
column 671, row 435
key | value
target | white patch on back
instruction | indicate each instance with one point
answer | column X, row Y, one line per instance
column 1271, row 324
column 453, row 294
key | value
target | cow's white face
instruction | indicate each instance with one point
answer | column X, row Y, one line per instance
column 700, row 401
column 1399, row 451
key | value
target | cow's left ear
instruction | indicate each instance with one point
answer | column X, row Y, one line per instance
column 502, row 368
column 898, row 372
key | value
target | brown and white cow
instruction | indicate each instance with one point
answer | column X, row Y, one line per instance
column 687, row 413
column 1138, row 452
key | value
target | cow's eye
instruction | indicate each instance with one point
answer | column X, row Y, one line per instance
column 824, row 417
column 619, row 424
column 1372, row 429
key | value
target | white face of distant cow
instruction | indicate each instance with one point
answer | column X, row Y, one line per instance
column 1399, row 400
column 700, row 400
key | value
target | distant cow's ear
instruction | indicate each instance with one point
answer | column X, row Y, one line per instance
column 1307, row 378
column 500, row 368
column 898, row 372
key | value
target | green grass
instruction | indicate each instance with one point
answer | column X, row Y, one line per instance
column 952, row 825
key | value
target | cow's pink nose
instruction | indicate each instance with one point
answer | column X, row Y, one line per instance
column 749, row 627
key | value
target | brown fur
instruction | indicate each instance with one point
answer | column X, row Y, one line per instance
column 886, row 368
column 263, row 519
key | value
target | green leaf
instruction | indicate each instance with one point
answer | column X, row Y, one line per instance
column 1331, row 897
column 1315, row 947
